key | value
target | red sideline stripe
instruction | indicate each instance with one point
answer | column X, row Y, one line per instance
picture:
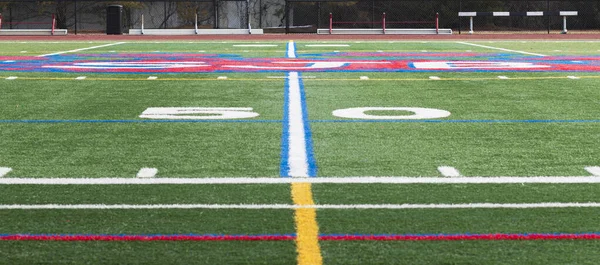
column 460, row 237
column 24, row 237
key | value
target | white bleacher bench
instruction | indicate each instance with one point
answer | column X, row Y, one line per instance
column 563, row 14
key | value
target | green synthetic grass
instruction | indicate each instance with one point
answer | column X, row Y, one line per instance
column 463, row 252
column 145, row 194
column 121, row 149
column 342, row 148
column 148, row 252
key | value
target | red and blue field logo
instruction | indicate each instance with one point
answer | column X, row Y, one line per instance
column 338, row 62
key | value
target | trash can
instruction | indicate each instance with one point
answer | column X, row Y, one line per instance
column 114, row 20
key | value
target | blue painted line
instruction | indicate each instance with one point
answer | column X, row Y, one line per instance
column 140, row 121
column 310, row 155
column 284, row 166
column 455, row 121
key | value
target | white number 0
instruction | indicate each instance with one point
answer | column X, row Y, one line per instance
column 418, row 113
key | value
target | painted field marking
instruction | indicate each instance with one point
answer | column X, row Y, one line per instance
column 309, row 230
column 573, row 77
column 82, row 49
column 593, row 170
column 364, row 78
column 447, row 171
column 297, row 162
column 152, row 77
column 255, row 45
column 11, row 78
column 80, row 78
column 308, row 78
column 327, row 45
column 23, row 51
column 289, row 237
column 297, row 158
column 4, row 171
column 222, row 78
column 291, row 50
column 434, row 78
column 147, row 172
column 503, row 77
column 500, row 49
column 319, row 180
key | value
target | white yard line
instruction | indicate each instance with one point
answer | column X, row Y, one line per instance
column 297, row 156
column 82, row 49
column 333, row 180
column 500, row 49
column 327, row 45
column 293, row 206
column 291, row 50
column 255, row 45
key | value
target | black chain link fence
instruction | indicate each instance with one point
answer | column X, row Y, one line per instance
column 306, row 16
column 298, row 16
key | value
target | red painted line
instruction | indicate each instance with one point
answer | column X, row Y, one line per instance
column 463, row 237
column 441, row 237
column 19, row 237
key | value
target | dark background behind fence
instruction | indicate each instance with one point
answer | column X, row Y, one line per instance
column 298, row 16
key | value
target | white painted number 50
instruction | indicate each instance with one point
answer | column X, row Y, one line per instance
column 196, row 113
column 417, row 113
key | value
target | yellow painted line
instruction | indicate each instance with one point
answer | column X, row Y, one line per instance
column 307, row 229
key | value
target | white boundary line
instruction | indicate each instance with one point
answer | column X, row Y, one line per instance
column 500, row 49
column 82, row 49
column 292, row 206
column 324, row 180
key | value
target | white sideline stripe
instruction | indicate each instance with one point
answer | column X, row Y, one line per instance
column 277, row 180
column 448, row 171
column 147, row 172
column 573, row 77
column 593, row 170
column 500, row 49
column 82, row 49
column 11, row 78
column 434, row 78
column 4, row 171
column 503, row 77
column 292, row 206
column 364, row 78
column 327, row 45
column 80, row 78
column 255, row 45
column 152, row 77
column 222, row 78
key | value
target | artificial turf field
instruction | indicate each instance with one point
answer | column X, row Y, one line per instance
column 310, row 152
